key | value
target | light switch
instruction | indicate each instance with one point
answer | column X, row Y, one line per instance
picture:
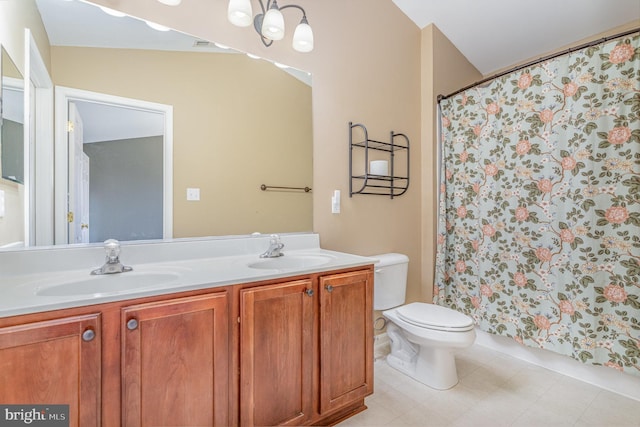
column 193, row 194
column 335, row 202
column 1, row 203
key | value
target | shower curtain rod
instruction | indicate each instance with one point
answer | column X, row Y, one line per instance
column 536, row 61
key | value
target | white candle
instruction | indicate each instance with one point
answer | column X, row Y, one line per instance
column 379, row 167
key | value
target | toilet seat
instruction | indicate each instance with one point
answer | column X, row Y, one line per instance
column 431, row 316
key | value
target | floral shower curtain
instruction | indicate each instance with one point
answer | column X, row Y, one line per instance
column 539, row 215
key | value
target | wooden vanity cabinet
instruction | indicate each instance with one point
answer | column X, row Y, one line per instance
column 306, row 350
column 51, row 362
column 276, row 344
column 346, row 339
column 292, row 352
column 175, row 362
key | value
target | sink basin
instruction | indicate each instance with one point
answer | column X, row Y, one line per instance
column 108, row 284
column 290, row 262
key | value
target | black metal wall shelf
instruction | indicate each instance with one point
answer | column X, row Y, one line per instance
column 392, row 185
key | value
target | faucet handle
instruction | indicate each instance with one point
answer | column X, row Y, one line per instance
column 112, row 263
column 275, row 245
column 276, row 242
column 111, row 243
column 112, row 246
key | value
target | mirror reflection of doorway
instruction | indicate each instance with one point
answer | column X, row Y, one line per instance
column 79, row 177
column 116, row 162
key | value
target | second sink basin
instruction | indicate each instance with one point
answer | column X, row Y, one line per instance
column 108, row 284
column 290, row 262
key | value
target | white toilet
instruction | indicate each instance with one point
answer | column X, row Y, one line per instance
column 423, row 336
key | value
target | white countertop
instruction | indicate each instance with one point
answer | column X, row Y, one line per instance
column 181, row 265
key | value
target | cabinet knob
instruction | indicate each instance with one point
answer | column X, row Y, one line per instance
column 88, row 335
column 309, row 292
column 132, row 324
column 329, row 288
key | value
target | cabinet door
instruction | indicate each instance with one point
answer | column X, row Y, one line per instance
column 346, row 331
column 175, row 362
column 54, row 362
column 276, row 354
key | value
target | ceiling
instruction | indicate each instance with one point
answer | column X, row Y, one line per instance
column 80, row 23
column 491, row 34
column 495, row 34
column 76, row 23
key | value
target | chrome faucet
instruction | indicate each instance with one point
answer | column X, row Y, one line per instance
column 275, row 246
column 112, row 262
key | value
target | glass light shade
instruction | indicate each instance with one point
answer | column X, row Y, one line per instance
column 240, row 13
column 170, row 2
column 273, row 23
column 303, row 37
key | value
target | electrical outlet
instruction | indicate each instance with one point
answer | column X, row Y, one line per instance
column 193, row 194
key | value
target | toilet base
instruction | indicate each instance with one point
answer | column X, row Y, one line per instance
column 432, row 366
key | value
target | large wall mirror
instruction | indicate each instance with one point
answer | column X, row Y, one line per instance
column 237, row 123
column 12, row 136
column 12, row 194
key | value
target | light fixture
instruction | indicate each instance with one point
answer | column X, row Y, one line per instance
column 303, row 37
column 171, row 2
column 157, row 27
column 270, row 23
column 240, row 13
column 112, row 12
column 273, row 23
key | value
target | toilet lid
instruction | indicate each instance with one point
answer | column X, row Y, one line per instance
column 434, row 317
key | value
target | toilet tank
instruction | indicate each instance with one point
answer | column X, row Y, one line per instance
column 390, row 280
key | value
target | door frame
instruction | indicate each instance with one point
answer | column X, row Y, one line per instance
column 63, row 95
column 39, row 163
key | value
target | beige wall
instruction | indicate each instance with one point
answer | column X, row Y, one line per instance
column 15, row 16
column 12, row 29
column 238, row 123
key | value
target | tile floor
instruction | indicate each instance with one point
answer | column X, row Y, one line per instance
column 494, row 390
